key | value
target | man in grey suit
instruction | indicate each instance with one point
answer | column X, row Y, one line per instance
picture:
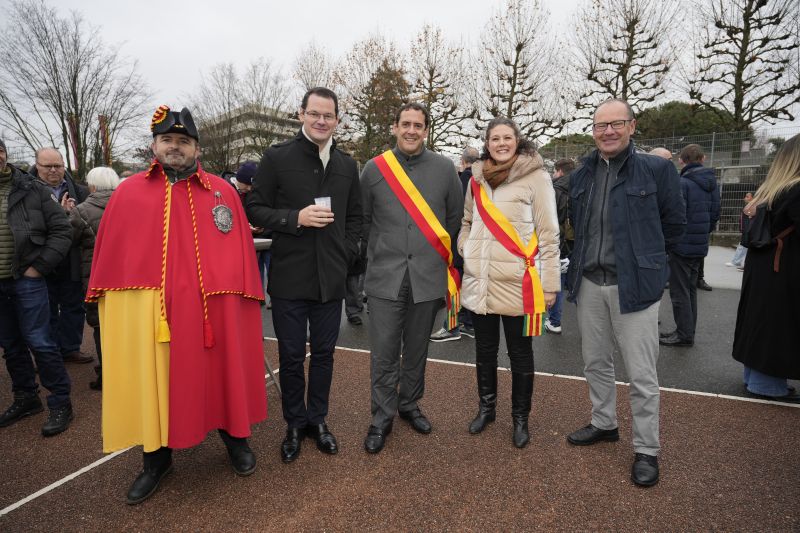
column 406, row 278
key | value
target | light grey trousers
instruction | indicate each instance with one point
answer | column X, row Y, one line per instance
column 636, row 334
column 394, row 324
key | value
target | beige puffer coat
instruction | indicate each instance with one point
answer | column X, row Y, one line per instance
column 492, row 281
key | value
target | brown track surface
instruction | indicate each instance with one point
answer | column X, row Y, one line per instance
column 726, row 466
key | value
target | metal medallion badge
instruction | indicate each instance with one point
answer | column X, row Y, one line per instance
column 223, row 216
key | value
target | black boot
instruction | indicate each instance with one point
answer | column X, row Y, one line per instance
column 243, row 460
column 157, row 464
column 98, row 383
column 487, row 394
column 25, row 404
column 521, row 393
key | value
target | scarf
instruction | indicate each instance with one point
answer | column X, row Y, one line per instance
column 496, row 174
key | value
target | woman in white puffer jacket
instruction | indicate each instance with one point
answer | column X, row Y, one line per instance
column 512, row 176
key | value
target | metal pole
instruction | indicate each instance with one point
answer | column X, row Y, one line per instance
column 713, row 143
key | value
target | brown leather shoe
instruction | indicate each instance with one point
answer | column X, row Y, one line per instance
column 77, row 357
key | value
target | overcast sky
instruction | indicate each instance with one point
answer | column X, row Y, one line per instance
column 175, row 40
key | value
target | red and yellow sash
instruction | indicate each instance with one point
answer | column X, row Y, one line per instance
column 426, row 221
column 502, row 230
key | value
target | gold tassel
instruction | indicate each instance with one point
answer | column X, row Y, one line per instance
column 163, row 330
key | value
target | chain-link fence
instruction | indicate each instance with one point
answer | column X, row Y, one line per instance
column 741, row 160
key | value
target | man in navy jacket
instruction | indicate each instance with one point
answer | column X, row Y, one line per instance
column 701, row 195
column 627, row 212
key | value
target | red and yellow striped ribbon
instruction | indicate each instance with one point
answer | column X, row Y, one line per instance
column 502, row 230
column 419, row 210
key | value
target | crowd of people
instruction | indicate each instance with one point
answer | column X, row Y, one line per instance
column 166, row 265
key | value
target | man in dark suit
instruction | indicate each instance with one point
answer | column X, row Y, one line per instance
column 306, row 191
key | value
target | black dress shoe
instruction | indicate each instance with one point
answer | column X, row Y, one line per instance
column 674, row 340
column 644, row 471
column 326, row 442
column 590, row 434
column 355, row 320
column 57, row 421
column 702, row 285
column 418, row 421
column 667, row 334
column 77, row 357
column 147, row 482
column 290, row 448
column 376, row 438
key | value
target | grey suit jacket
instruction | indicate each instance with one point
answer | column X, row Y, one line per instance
column 395, row 243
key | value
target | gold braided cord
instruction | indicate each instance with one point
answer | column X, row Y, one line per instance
column 197, row 249
column 164, row 241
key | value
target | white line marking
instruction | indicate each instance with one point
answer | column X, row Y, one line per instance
column 61, row 481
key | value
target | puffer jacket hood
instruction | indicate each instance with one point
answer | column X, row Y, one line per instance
column 702, row 199
column 704, row 177
column 492, row 281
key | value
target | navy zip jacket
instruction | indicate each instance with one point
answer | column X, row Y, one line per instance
column 647, row 217
column 701, row 195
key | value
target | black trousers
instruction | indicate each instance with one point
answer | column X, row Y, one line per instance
column 487, row 341
column 683, row 276
column 292, row 320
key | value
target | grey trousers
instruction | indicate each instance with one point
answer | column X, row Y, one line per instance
column 394, row 324
column 354, row 287
column 601, row 325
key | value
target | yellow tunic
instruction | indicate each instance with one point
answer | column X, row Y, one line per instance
column 135, row 371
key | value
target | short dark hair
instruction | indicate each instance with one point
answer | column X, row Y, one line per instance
column 631, row 115
column 322, row 92
column 414, row 106
column 565, row 165
column 692, row 153
column 524, row 146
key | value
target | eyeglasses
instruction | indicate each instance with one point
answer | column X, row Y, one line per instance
column 600, row 127
column 50, row 167
column 313, row 115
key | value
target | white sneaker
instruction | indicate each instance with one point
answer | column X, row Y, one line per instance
column 551, row 328
column 729, row 264
column 443, row 336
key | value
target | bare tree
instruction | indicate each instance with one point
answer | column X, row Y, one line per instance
column 515, row 68
column 313, row 67
column 440, row 81
column 624, row 49
column 364, row 114
column 57, row 78
column 746, row 63
column 240, row 115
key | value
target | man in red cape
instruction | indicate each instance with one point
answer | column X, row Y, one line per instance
column 178, row 291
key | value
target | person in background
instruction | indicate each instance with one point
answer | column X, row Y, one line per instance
column 767, row 335
column 464, row 327
column 566, row 235
column 242, row 181
column 85, row 219
column 661, row 152
column 28, row 210
column 64, row 286
column 509, row 214
column 741, row 252
column 701, row 197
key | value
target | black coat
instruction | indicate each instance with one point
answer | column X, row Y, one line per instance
column 40, row 227
column 767, row 336
column 307, row 263
column 70, row 267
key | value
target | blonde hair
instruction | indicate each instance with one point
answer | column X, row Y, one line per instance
column 102, row 178
column 783, row 174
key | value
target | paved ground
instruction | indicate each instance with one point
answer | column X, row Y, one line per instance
column 727, row 464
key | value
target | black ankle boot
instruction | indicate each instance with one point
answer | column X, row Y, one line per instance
column 487, row 394
column 521, row 393
column 157, row 464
